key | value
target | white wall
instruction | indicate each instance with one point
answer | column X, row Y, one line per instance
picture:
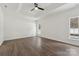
column 56, row 26
column 16, row 26
column 1, row 26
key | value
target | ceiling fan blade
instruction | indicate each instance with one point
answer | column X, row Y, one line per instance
column 40, row 8
column 35, row 4
column 32, row 9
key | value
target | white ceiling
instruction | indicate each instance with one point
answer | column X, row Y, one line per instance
column 25, row 8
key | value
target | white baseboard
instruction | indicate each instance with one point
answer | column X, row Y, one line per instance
column 14, row 38
column 73, row 42
column 1, row 42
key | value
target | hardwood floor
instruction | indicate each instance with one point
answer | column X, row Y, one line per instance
column 34, row 46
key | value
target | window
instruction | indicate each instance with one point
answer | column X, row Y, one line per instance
column 74, row 28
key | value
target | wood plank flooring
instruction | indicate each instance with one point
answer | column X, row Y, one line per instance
column 36, row 46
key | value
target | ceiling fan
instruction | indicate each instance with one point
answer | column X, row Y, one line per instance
column 36, row 7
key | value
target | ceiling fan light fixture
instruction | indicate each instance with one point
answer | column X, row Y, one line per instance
column 36, row 8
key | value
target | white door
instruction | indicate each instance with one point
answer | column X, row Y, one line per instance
column 1, row 27
column 38, row 28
